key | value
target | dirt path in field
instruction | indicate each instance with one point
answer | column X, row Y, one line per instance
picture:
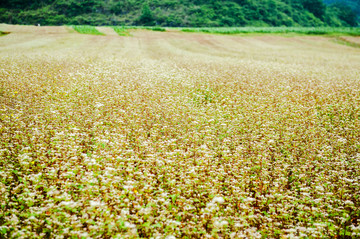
column 352, row 39
column 348, row 41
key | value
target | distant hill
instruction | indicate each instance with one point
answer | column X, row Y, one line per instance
column 353, row 4
column 181, row 13
column 345, row 9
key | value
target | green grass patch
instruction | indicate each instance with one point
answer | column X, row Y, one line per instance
column 84, row 29
column 121, row 31
column 2, row 33
column 352, row 31
column 158, row 29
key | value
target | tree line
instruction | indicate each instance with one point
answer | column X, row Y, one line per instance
column 181, row 13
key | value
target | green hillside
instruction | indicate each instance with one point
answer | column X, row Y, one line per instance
column 178, row 13
column 353, row 4
column 345, row 9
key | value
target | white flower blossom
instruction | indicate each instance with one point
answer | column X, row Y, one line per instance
column 219, row 200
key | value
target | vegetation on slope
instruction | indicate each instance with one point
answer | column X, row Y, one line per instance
column 83, row 29
column 121, row 31
column 278, row 30
column 185, row 13
column 353, row 4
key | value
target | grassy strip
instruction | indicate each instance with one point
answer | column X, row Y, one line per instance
column 158, row 29
column 346, row 42
column 121, row 31
column 4, row 33
column 278, row 30
column 84, row 29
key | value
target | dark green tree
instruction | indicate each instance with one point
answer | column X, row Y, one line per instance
column 345, row 13
column 146, row 18
column 316, row 7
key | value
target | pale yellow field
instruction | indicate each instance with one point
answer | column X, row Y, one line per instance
column 178, row 135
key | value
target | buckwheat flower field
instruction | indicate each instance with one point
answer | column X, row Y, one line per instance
column 178, row 135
